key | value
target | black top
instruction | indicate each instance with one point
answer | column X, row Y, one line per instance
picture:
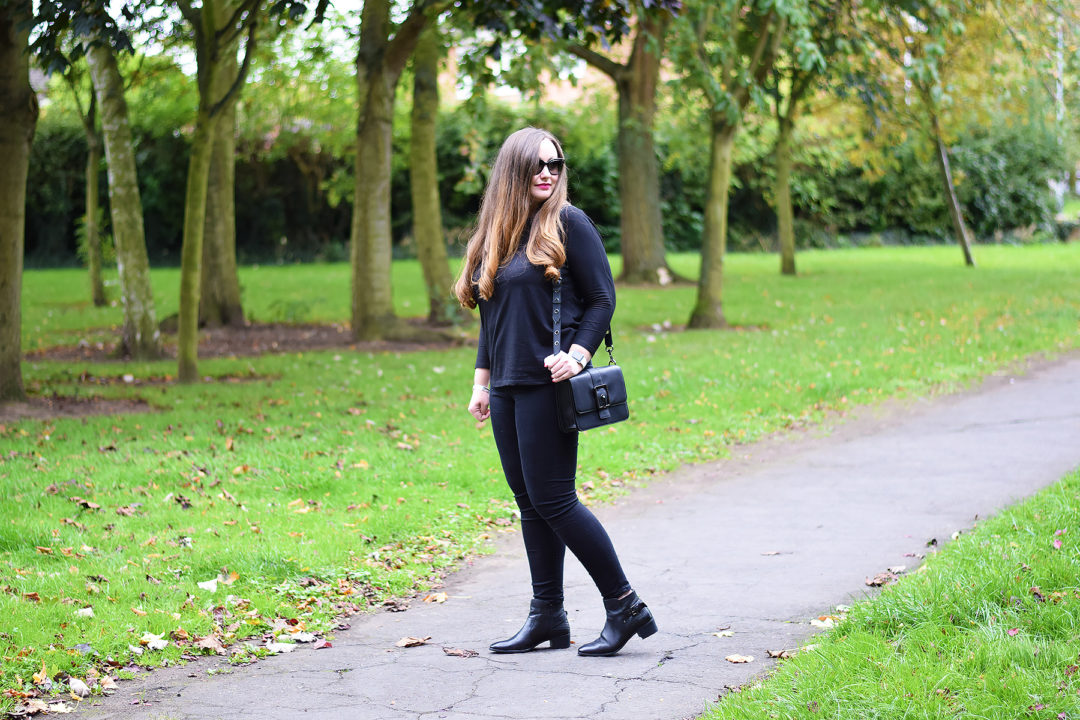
column 516, row 324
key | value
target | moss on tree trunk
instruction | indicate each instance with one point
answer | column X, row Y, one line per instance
column 709, row 310
column 18, row 118
column 424, row 180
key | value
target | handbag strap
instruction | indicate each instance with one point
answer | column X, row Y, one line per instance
column 556, row 323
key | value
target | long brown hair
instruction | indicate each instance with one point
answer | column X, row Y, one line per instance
column 504, row 211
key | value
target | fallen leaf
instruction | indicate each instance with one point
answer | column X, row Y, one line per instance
column 458, row 652
column 322, row 644
column 154, row 642
column 137, row 611
column 35, row 706
column 825, row 621
column 209, row 585
column 32, row 597
column 771, row 552
column 135, row 650
column 782, row 654
column 59, row 708
column 302, row 637
column 1014, row 631
column 43, row 550
column 1071, row 670
column 439, row 597
column 210, row 643
column 410, row 641
column 1057, row 543
column 85, row 612
column 107, row 684
column 277, row 648
column 897, row 569
column 882, row 578
column 41, row 675
column 739, row 658
column 724, row 633
column 396, row 605
column 78, row 688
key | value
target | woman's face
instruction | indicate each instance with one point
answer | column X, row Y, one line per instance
column 543, row 181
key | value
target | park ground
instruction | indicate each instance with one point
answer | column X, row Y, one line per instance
column 323, row 482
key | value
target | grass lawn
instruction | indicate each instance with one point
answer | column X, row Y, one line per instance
column 988, row 628
column 327, row 481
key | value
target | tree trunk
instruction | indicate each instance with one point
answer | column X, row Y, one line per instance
column 187, row 341
column 708, row 310
column 639, row 173
column 955, row 212
column 18, row 118
column 424, row 180
column 370, row 238
column 93, row 232
column 141, row 339
column 220, row 286
column 785, row 215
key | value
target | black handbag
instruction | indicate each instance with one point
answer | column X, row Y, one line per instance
column 595, row 396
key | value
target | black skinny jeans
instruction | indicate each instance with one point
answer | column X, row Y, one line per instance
column 540, row 462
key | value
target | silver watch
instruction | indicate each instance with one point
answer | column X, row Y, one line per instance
column 578, row 357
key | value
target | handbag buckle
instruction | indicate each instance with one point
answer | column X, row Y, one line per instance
column 602, row 399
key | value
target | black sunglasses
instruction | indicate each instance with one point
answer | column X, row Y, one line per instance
column 554, row 166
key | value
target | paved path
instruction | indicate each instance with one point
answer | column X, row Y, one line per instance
column 696, row 545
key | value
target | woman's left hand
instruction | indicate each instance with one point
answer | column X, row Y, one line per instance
column 562, row 366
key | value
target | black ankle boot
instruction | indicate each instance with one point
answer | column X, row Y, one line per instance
column 625, row 617
column 546, row 623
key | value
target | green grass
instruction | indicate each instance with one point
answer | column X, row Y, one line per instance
column 989, row 628
column 1072, row 207
column 363, row 470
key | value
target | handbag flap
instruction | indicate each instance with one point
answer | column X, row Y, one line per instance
column 598, row 387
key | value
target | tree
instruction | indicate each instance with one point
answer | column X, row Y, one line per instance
column 424, row 180
column 916, row 38
column 140, row 338
column 94, row 149
column 384, row 51
column 219, row 299
column 18, row 118
column 727, row 50
column 636, row 82
column 793, row 79
column 217, row 26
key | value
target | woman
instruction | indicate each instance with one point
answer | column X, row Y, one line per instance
column 528, row 235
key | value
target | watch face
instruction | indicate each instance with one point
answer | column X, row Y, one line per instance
column 579, row 358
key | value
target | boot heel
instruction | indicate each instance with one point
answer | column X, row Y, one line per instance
column 560, row 642
column 647, row 629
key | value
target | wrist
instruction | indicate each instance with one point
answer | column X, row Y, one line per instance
column 484, row 388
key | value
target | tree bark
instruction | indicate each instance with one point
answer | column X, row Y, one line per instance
column 379, row 63
column 785, row 215
column 220, row 303
column 424, row 180
column 708, row 310
column 187, row 340
column 141, row 339
column 639, row 172
column 93, row 232
column 18, row 119
column 955, row 211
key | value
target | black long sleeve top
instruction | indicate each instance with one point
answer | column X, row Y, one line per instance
column 516, row 324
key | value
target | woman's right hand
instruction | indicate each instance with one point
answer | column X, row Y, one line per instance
column 480, row 404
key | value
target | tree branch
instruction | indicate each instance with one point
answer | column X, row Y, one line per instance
column 604, row 64
column 190, row 14
column 229, row 31
column 403, row 43
column 241, row 74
